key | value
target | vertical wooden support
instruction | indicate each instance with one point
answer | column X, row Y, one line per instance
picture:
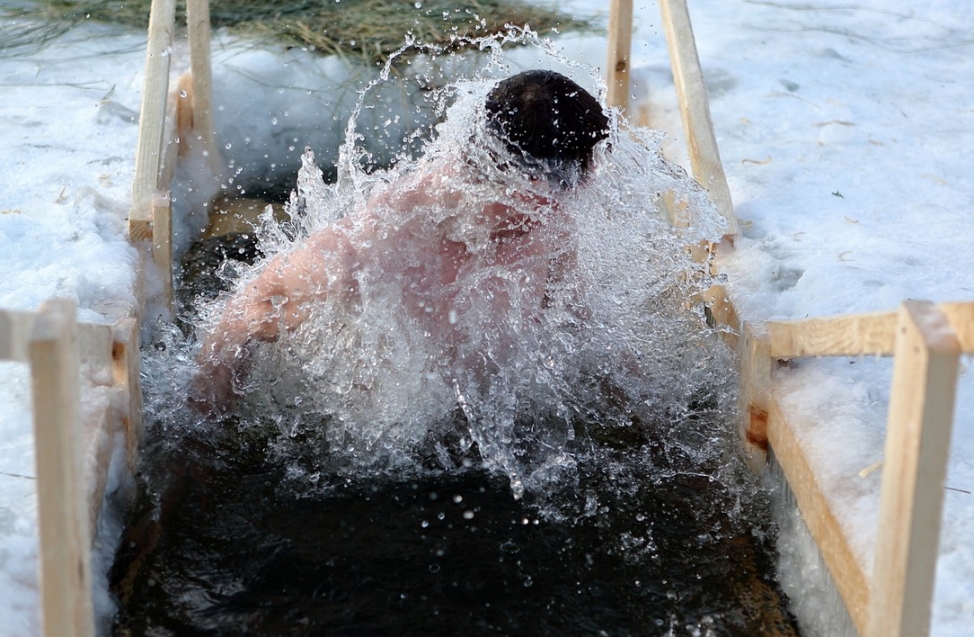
column 755, row 398
column 915, row 464
column 620, row 43
column 162, row 242
column 695, row 109
column 65, row 539
column 148, row 153
column 125, row 371
column 198, row 22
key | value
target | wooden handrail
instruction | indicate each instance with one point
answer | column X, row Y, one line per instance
column 695, row 109
column 870, row 334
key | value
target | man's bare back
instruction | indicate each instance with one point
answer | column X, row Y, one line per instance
column 475, row 239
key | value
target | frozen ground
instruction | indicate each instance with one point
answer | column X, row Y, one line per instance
column 846, row 131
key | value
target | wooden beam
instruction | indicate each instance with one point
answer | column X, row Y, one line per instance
column 824, row 527
column 914, row 469
column 619, row 55
column 162, row 242
column 695, row 109
column 65, row 539
column 847, row 335
column 126, row 357
column 155, row 88
column 16, row 326
column 198, row 22
column 755, row 396
column 871, row 334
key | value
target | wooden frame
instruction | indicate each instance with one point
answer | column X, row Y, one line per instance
column 695, row 109
column 150, row 213
column 926, row 339
column 69, row 497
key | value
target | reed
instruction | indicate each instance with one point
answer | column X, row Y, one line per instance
column 370, row 30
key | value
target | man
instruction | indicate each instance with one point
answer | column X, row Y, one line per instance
column 541, row 132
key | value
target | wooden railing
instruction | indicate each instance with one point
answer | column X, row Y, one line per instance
column 150, row 213
column 894, row 600
column 69, row 498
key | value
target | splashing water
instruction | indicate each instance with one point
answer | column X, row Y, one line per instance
column 560, row 356
column 524, row 337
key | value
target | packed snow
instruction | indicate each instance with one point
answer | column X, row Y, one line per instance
column 844, row 130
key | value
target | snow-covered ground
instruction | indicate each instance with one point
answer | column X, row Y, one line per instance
column 846, row 131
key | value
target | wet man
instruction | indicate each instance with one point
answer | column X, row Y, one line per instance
column 541, row 129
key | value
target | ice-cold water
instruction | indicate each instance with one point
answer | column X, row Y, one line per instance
column 538, row 446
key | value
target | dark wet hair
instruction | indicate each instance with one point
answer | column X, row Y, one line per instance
column 547, row 122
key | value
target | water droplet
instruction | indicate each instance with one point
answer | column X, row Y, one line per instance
column 418, row 5
column 458, row 498
column 182, row 93
column 468, row 515
column 424, row 523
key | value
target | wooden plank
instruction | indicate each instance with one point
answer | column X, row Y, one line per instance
column 95, row 346
column 847, row 572
column 15, row 333
column 15, row 329
column 755, row 396
column 162, row 242
column 171, row 140
column 126, row 369
column 871, row 334
column 915, row 464
column 619, row 56
column 155, row 88
column 961, row 317
column 198, row 22
column 695, row 109
column 65, row 539
column 848, row 335
column 99, row 439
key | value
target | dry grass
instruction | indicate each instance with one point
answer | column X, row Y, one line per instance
column 368, row 29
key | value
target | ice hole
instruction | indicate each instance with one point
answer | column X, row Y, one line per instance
column 564, row 463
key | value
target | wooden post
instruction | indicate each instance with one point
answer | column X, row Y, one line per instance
column 65, row 539
column 914, row 468
column 155, row 89
column 162, row 242
column 695, row 109
column 755, row 398
column 198, row 22
column 620, row 43
column 126, row 364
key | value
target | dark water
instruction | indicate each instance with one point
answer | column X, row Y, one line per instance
column 230, row 545
column 648, row 537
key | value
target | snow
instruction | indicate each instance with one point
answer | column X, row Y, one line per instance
column 846, row 132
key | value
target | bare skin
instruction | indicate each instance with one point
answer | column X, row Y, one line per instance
column 424, row 259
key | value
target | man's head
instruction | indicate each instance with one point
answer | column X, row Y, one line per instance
column 548, row 122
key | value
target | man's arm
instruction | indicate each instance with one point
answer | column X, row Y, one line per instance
column 279, row 300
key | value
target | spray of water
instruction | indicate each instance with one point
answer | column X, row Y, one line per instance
column 528, row 346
